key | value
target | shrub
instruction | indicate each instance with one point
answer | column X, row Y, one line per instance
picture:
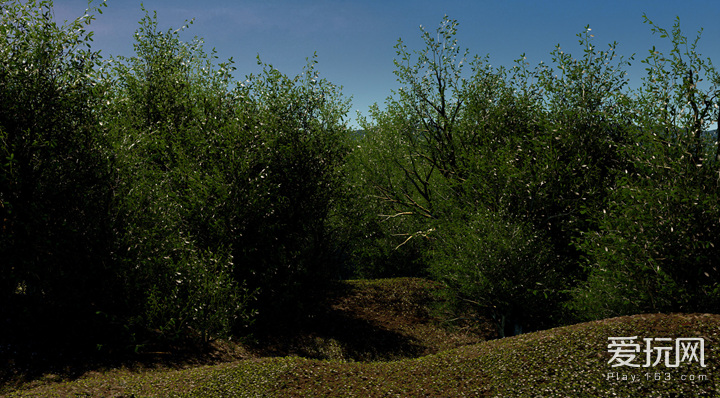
column 169, row 113
column 656, row 249
column 54, row 192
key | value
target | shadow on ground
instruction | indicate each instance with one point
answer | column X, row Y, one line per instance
column 377, row 320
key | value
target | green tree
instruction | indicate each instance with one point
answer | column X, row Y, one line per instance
column 498, row 160
column 54, row 193
column 284, row 180
column 169, row 111
column 224, row 188
column 657, row 247
column 426, row 155
column 369, row 230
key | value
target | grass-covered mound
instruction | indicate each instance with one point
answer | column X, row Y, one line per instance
column 569, row 361
column 373, row 332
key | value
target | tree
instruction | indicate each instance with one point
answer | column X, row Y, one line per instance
column 657, row 248
column 499, row 169
column 224, row 187
column 430, row 160
column 52, row 190
column 284, row 180
column 170, row 116
column 56, row 235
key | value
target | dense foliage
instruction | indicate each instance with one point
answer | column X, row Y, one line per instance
column 545, row 194
column 154, row 194
column 156, row 198
column 55, row 228
column 656, row 248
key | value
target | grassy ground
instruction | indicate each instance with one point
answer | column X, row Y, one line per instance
column 361, row 358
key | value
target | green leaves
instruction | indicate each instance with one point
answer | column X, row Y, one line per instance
column 655, row 247
column 526, row 190
column 54, row 192
column 285, row 184
column 224, row 188
column 564, row 150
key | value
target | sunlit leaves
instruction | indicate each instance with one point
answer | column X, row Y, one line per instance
column 564, row 148
column 655, row 248
column 54, row 195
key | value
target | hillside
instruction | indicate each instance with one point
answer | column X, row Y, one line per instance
column 386, row 342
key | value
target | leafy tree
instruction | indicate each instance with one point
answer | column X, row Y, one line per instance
column 500, row 159
column 223, row 192
column 54, row 193
column 284, row 182
column 169, row 112
column 369, row 230
column 657, row 248
column 428, row 157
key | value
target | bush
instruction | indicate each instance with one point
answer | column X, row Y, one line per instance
column 223, row 193
column 283, row 183
column 656, row 249
column 54, row 191
column 499, row 268
column 169, row 113
column 497, row 161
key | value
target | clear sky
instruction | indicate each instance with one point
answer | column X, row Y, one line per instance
column 354, row 39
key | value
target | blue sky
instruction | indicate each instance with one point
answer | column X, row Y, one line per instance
column 354, row 39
